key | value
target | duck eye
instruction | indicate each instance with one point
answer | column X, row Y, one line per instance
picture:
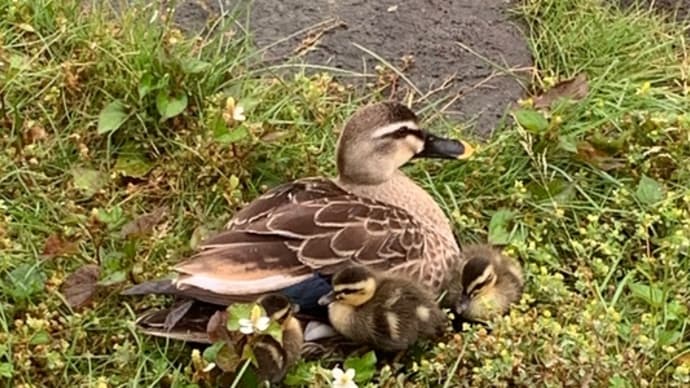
column 403, row 132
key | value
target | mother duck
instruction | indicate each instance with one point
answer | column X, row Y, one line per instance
column 295, row 236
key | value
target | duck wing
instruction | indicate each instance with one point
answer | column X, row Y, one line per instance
column 295, row 230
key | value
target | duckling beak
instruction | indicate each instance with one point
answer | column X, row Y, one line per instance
column 443, row 148
column 327, row 299
column 463, row 304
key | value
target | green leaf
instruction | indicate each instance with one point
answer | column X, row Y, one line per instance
column 132, row 162
column 676, row 311
column 228, row 360
column 364, row 366
column 499, row 232
column 111, row 117
column 236, row 312
column 116, row 277
column 6, row 370
column 302, row 374
column 649, row 191
column 112, row 217
column 88, row 181
column 211, row 352
column 616, row 381
column 24, row 281
column 653, row 296
column 40, row 338
column 668, row 337
column 145, row 85
column 531, row 120
column 195, row 66
column 275, row 331
column 170, row 106
column 225, row 135
column 567, row 143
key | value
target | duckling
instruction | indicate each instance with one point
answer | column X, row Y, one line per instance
column 274, row 359
column 489, row 283
column 388, row 312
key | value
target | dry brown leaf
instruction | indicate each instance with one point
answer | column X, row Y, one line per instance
column 80, row 287
column 143, row 224
column 599, row 158
column 56, row 246
column 33, row 132
column 575, row 89
column 215, row 329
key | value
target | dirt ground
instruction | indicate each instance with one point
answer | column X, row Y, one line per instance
column 461, row 49
column 478, row 89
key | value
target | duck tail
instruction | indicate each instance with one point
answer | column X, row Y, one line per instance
column 186, row 320
column 160, row 287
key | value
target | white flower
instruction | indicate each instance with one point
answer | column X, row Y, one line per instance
column 238, row 113
column 209, row 367
column 343, row 379
column 257, row 321
column 248, row 326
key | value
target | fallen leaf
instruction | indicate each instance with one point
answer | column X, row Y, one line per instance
column 575, row 89
column 143, row 224
column 80, row 287
column 33, row 132
column 55, row 246
column 599, row 158
column 215, row 328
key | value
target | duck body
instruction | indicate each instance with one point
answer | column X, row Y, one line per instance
column 389, row 313
column 294, row 237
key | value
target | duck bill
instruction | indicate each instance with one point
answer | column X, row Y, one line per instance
column 462, row 305
column 327, row 299
column 443, row 148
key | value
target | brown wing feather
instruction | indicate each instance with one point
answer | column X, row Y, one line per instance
column 296, row 228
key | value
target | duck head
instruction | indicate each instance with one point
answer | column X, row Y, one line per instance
column 278, row 307
column 489, row 283
column 380, row 138
column 353, row 286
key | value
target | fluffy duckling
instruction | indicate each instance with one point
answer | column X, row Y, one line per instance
column 274, row 359
column 386, row 312
column 489, row 283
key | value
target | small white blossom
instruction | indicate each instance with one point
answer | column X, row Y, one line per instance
column 257, row 321
column 209, row 367
column 238, row 113
column 249, row 326
column 343, row 379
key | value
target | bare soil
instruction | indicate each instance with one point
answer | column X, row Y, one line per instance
column 430, row 31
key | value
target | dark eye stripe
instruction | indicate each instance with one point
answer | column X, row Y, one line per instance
column 405, row 131
column 349, row 290
column 479, row 286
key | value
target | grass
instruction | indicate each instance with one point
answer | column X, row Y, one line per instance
column 595, row 206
